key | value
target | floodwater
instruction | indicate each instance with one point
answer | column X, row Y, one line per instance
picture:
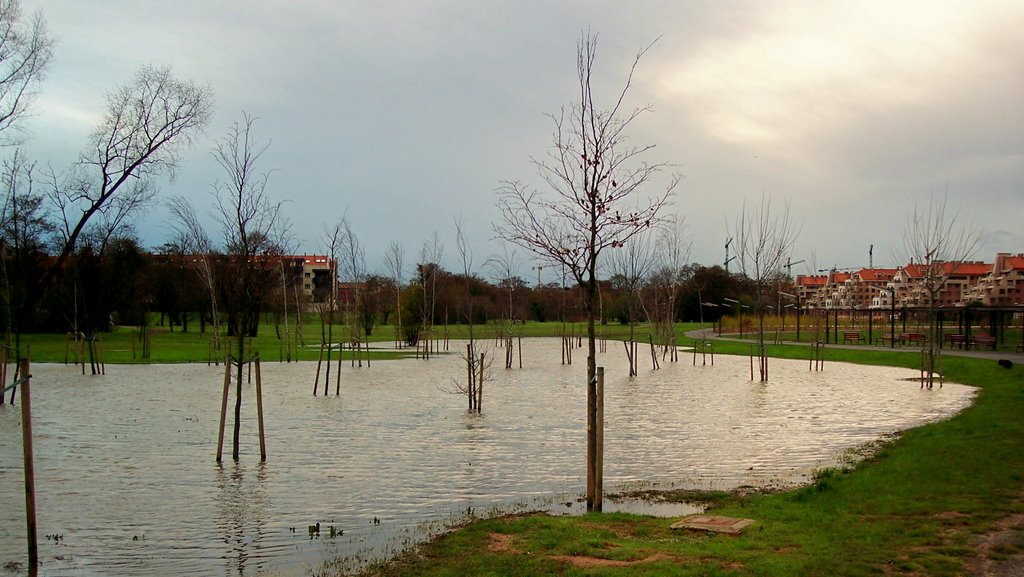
column 126, row 478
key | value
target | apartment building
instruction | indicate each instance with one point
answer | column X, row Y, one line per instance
column 1003, row 285
column 997, row 284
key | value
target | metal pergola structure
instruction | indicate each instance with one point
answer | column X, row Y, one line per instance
column 995, row 321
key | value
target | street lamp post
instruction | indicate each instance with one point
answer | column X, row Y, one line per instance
column 797, row 298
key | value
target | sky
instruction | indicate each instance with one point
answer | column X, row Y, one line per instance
column 404, row 115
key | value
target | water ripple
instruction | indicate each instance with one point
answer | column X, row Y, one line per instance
column 126, row 474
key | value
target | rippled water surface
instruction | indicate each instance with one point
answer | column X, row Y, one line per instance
column 125, row 469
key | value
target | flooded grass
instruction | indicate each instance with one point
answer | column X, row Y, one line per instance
column 126, row 477
column 930, row 501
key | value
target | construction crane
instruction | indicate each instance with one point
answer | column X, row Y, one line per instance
column 728, row 259
column 789, row 266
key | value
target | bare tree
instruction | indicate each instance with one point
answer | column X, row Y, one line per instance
column 504, row 267
column 25, row 51
column 940, row 244
column 24, row 228
column 194, row 242
column 352, row 269
column 765, row 240
column 476, row 356
column 394, row 260
column 148, row 124
column 672, row 251
column 248, row 221
column 327, row 303
column 593, row 177
column 429, row 270
column 632, row 264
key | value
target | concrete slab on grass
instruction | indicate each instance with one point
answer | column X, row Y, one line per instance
column 714, row 523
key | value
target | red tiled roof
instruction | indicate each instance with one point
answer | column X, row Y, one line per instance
column 876, row 274
column 952, row 268
column 1013, row 263
column 813, row 280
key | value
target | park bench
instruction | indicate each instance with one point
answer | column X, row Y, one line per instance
column 984, row 341
column 885, row 340
column 913, row 338
column 958, row 341
column 853, row 336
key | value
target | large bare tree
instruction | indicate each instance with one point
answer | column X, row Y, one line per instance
column 594, row 177
column 25, row 51
column 147, row 125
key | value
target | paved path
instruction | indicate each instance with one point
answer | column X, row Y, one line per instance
column 1017, row 358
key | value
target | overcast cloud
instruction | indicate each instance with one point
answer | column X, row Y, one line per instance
column 405, row 113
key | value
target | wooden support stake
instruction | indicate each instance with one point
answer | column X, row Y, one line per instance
column 223, row 409
column 480, row 385
column 259, row 411
column 520, row 351
column 319, row 361
column 30, row 475
column 337, row 385
column 595, row 441
column 3, row 371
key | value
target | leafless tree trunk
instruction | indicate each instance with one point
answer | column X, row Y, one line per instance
column 765, row 240
column 594, row 177
column 940, row 244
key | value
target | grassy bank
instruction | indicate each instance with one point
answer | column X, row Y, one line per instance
column 920, row 506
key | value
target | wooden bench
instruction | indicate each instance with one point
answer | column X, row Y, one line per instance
column 913, row 338
column 853, row 336
column 984, row 341
column 958, row 341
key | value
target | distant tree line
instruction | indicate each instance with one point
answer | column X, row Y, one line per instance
column 124, row 284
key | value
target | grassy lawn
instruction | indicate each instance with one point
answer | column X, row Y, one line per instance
column 919, row 506
column 124, row 346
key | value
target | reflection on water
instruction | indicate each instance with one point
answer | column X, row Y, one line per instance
column 126, row 473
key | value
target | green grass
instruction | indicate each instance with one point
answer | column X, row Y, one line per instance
column 123, row 345
column 912, row 508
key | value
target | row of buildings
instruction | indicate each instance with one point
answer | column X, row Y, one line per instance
column 996, row 284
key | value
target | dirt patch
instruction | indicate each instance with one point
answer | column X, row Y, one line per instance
column 588, row 562
column 1000, row 552
column 619, row 530
column 501, row 543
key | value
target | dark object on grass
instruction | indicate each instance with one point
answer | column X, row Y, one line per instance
column 1006, row 363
